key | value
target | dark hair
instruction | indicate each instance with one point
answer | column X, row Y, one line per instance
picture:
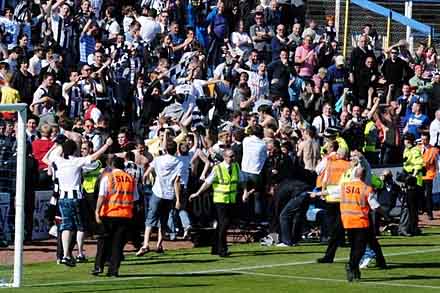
column 47, row 74
column 4, row 65
column 22, row 60
column 334, row 146
column 258, row 131
column 239, row 134
column 152, row 13
column 118, row 163
column 171, row 147
column 311, row 131
column 69, row 148
column 111, row 11
column 130, row 156
column 266, row 109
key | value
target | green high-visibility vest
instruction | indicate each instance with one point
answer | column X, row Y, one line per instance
column 225, row 185
column 90, row 178
column 370, row 134
column 413, row 163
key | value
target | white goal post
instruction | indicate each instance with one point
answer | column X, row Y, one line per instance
column 21, row 109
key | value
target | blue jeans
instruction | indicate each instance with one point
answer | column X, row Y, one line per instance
column 254, row 181
column 292, row 212
column 182, row 214
column 172, row 220
column 71, row 216
column 158, row 211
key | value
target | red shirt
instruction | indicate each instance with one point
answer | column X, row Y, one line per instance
column 39, row 148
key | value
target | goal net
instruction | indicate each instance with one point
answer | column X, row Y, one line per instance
column 12, row 191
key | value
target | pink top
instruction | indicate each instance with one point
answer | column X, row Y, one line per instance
column 305, row 69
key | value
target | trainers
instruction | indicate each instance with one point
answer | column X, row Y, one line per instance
column 187, row 233
column 67, row 261
column 365, row 261
column 282, row 244
column 81, row 258
column 96, row 271
column 142, row 251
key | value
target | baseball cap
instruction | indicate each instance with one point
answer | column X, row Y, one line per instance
column 339, row 60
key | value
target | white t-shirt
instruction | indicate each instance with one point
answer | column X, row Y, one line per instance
column 35, row 65
column 167, row 168
column 434, row 132
column 149, row 28
column 254, row 155
column 69, row 173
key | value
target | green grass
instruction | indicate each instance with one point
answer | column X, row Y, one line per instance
column 175, row 271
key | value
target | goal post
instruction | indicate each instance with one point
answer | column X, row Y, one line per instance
column 21, row 110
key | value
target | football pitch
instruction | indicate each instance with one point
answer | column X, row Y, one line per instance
column 414, row 266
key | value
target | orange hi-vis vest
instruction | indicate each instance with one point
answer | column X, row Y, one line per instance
column 320, row 177
column 118, row 202
column 334, row 171
column 332, row 174
column 430, row 158
column 354, row 204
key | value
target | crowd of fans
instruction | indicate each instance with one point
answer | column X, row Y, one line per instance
column 257, row 78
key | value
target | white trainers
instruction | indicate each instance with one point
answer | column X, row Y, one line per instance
column 365, row 261
column 281, row 244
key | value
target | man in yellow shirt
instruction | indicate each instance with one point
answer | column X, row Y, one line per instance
column 8, row 95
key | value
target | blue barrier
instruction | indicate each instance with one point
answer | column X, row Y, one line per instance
column 414, row 1
column 378, row 9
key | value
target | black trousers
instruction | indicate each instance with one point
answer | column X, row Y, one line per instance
column 428, row 196
column 111, row 243
column 413, row 193
column 224, row 212
column 359, row 238
column 335, row 229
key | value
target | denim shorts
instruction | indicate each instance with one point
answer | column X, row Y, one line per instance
column 71, row 216
column 158, row 211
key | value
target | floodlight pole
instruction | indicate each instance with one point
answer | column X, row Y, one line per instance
column 344, row 48
column 337, row 17
column 408, row 13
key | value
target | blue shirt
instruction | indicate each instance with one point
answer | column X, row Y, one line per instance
column 295, row 89
column 337, row 79
column 86, row 47
column 219, row 25
column 416, row 122
column 407, row 105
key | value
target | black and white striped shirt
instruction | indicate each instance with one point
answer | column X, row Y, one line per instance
column 62, row 29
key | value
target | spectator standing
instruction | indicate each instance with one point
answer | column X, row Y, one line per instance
column 254, row 158
column 68, row 171
column 306, row 58
column 166, row 190
column 225, row 179
column 114, row 210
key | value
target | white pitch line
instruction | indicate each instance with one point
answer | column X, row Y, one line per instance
column 225, row 270
column 339, row 280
